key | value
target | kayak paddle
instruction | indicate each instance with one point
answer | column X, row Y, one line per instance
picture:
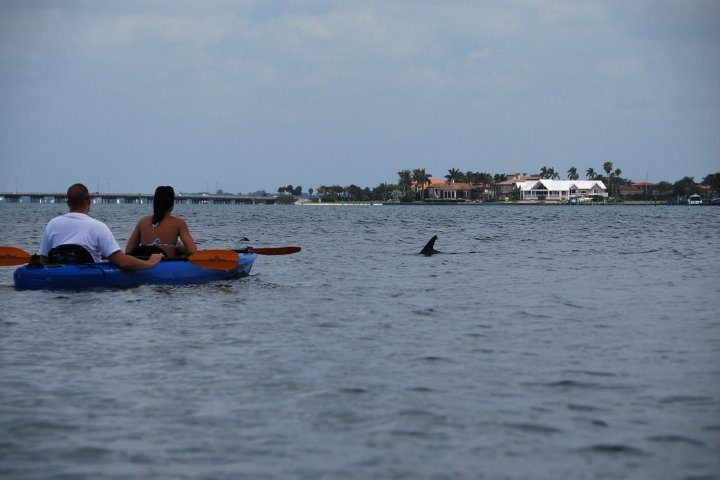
column 13, row 256
column 268, row 250
column 215, row 259
column 229, row 254
column 228, row 259
column 212, row 259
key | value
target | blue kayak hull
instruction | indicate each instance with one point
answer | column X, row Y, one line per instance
column 106, row 275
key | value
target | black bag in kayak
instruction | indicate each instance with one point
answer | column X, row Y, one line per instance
column 69, row 254
column 147, row 250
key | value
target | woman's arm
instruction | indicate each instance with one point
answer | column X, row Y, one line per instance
column 186, row 238
column 134, row 239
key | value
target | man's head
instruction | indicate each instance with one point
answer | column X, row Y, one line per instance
column 78, row 198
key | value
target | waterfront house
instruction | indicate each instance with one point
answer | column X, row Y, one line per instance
column 638, row 189
column 560, row 190
column 519, row 176
column 439, row 189
column 503, row 189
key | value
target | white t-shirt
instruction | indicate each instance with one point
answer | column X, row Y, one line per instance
column 79, row 229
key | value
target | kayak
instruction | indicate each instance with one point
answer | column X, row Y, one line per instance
column 107, row 275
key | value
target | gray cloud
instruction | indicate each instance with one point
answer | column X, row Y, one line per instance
column 264, row 93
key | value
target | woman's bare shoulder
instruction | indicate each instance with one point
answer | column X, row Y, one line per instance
column 146, row 220
column 176, row 220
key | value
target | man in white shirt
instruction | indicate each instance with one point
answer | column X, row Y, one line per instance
column 77, row 228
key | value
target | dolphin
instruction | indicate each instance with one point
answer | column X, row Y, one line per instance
column 429, row 247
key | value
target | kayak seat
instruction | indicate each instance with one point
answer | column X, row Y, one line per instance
column 147, row 250
column 69, row 254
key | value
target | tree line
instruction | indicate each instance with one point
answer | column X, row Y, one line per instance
column 411, row 185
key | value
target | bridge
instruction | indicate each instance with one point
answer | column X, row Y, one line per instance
column 141, row 198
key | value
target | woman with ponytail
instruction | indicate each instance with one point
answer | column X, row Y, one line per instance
column 161, row 232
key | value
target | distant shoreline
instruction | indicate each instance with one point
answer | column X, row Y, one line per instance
column 529, row 203
column 227, row 200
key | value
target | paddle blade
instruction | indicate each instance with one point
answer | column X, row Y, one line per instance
column 215, row 259
column 13, row 256
column 272, row 250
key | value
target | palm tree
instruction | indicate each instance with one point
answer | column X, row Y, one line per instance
column 617, row 173
column 425, row 177
column 572, row 173
column 607, row 166
column 590, row 173
column 552, row 174
column 486, row 179
column 425, row 181
column 405, row 182
column 543, row 172
column 472, row 177
column 454, row 175
column 421, row 179
column 416, row 176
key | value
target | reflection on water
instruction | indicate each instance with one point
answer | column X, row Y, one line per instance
column 548, row 342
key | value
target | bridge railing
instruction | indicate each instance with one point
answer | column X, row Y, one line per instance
column 142, row 198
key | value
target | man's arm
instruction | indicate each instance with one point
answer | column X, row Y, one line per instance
column 126, row 262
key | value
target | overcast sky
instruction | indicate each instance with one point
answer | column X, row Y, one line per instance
column 248, row 95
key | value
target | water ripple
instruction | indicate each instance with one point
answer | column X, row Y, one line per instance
column 556, row 343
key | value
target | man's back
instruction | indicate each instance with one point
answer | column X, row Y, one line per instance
column 79, row 229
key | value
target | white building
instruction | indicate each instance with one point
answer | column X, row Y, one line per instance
column 545, row 189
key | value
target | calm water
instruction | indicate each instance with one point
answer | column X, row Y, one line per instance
column 547, row 342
